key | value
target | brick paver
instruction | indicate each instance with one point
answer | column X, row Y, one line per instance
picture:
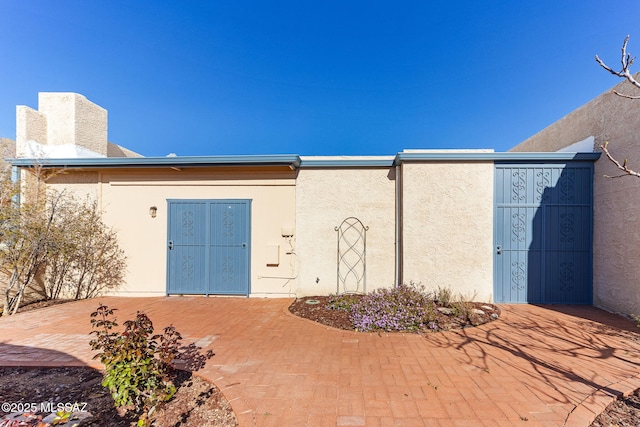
column 536, row 366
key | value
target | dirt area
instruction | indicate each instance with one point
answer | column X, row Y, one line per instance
column 200, row 403
column 196, row 403
column 624, row 412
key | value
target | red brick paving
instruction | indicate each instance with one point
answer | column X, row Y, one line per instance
column 536, row 366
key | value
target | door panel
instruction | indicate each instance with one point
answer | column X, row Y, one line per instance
column 187, row 240
column 543, row 233
column 229, row 248
column 208, row 247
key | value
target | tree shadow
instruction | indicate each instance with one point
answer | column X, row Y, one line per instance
column 34, row 375
column 185, row 379
column 28, row 356
column 559, row 253
column 564, row 347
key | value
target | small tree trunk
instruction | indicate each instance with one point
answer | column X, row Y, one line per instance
column 18, row 300
column 8, row 300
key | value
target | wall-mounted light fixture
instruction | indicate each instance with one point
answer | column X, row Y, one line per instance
column 153, row 211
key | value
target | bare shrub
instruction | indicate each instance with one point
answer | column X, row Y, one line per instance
column 54, row 245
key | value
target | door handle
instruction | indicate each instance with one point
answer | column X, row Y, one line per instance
column 244, row 245
column 499, row 249
column 170, row 245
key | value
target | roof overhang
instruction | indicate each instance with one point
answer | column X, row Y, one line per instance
column 404, row 157
column 294, row 161
column 290, row 160
column 346, row 161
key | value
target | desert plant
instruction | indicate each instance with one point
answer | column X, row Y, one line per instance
column 444, row 296
column 51, row 243
column 463, row 307
column 402, row 308
column 342, row 302
column 88, row 261
column 28, row 234
column 140, row 366
column 55, row 245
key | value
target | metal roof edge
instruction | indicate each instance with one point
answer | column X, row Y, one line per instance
column 494, row 157
column 346, row 163
column 295, row 161
column 292, row 160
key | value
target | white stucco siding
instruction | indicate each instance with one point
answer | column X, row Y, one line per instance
column 325, row 197
column 448, row 226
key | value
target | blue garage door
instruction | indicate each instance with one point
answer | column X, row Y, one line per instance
column 208, row 247
column 543, row 233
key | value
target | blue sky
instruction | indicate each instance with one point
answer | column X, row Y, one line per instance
column 314, row 78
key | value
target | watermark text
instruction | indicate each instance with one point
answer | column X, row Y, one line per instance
column 48, row 407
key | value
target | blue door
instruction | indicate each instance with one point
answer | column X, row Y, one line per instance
column 543, row 233
column 208, row 247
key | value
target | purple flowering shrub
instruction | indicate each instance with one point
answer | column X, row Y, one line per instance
column 403, row 308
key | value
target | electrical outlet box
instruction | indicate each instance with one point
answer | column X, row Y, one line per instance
column 273, row 255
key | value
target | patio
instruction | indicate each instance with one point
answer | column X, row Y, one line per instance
column 546, row 365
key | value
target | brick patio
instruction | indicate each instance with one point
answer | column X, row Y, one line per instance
column 536, row 366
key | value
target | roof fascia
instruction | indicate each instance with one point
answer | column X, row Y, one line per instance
column 346, row 163
column 291, row 160
column 495, row 157
column 294, row 161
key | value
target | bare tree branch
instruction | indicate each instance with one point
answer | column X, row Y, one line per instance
column 626, row 61
column 622, row 166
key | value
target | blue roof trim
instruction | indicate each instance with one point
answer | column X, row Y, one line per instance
column 294, row 161
column 494, row 157
column 291, row 160
column 346, row 163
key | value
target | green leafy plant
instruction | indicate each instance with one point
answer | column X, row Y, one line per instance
column 62, row 417
column 140, row 366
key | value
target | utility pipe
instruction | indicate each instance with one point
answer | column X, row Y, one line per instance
column 398, row 231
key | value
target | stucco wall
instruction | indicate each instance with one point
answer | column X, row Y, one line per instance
column 325, row 197
column 82, row 185
column 616, row 248
column 127, row 195
column 448, row 226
